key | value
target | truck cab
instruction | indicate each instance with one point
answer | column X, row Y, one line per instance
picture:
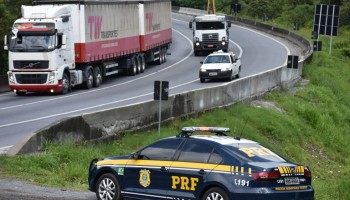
column 41, row 51
column 210, row 33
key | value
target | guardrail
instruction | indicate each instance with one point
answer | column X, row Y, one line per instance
column 107, row 125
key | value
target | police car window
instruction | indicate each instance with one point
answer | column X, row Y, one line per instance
column 195, row 152
column 215, row 157
column 253, row 152
column 161, row 150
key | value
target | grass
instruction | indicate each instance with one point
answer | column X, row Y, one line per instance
column 313, row 129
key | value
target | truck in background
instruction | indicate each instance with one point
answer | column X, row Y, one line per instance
column 210, row 33
column 60, row 44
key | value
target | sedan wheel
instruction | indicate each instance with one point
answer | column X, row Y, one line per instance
column 215, row 194
column 108, row 188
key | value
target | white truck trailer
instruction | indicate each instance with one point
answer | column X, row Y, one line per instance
column 210, row 33
column 59, row 44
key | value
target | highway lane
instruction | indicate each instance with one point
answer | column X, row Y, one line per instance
column 22, row 115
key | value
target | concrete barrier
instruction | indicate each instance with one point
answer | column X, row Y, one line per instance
column 107, row 125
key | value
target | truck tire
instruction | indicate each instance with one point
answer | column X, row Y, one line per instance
column 65, row 83
column 164, row 54
column 108, row 188
column 97, row 77
column 21, row 93
column 160, row 57
column 133, row 67
column 143, row 62
column 196, row 53
column 138, row 64
column 215, row 193
column 89, row 80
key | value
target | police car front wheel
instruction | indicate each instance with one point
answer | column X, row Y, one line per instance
column 108, row 188
column 215, row 194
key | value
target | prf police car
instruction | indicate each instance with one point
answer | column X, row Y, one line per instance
column 203, row 167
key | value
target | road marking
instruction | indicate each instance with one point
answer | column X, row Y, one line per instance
column 101, row 105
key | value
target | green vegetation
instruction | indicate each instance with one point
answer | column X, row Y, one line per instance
column 313, row 129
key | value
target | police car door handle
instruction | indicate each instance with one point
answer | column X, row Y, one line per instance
column 202, row 171
column 163, row 169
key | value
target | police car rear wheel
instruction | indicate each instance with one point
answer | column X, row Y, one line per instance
column 107, row 188
column 215, row 194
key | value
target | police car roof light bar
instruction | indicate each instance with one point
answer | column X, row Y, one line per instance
column 187, row 131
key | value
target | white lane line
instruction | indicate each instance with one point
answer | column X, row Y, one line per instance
column 101, row 105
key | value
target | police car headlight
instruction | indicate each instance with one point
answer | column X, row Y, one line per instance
column 203, row 70
column 52, row 77
column 224, row 69
column 11, row 77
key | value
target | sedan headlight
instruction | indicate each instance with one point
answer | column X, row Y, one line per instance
column 203, row 70
column 11, row 77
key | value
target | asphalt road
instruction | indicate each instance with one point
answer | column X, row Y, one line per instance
column 22, row 115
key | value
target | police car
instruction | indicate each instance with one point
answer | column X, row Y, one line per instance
column 220, row 65
column 203, row 167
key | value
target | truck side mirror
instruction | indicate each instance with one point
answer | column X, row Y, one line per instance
column 229, row 24
column 5, row 43
column 190, row 25
column 64, row 42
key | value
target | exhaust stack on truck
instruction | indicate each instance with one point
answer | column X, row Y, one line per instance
column 59, row 44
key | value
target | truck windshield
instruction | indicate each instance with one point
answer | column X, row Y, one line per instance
column 33, row 43
column 210, row 25
column 33, row 37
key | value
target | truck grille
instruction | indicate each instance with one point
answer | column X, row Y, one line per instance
column 31, row 78
column 31, row 64
column 211, row 38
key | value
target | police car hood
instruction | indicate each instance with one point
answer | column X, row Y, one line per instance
column 215, row 65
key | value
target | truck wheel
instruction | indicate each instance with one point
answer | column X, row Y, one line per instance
column 215, row 193
column 21, row 93
column 107, row 188
column 143, row 62
column 97, row 77
column 160, row 57
column 133, row 67
column 164, row 54
column 138, row 64
column 196, row 53
column 65, row 83
column 89, row 81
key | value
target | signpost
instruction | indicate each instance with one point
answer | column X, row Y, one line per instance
column 161, row 92
column 326, row 22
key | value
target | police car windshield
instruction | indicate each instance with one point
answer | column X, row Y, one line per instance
column 253, row 152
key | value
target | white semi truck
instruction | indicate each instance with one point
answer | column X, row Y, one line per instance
column 210, row 33
column 59, row 44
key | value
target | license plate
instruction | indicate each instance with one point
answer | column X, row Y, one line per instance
column 213, row 73
column 291, row 180
column 210, row 45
